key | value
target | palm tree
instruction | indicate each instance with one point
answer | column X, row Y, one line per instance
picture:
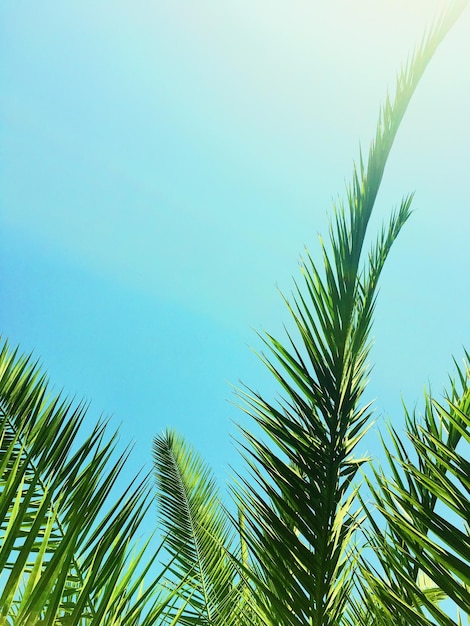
column 293, row 553
column 300, row 508
column 424, row 545
column 201, row 539
column 67, row 555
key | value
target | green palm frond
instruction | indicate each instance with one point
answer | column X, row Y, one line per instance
column 426, row 505
column 301, row 511
column 65, row 554
column 200, row 537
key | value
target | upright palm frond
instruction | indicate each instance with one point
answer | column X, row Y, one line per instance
column 426, row 506
column 66, row 556
column 199, row 537
column 300, row 509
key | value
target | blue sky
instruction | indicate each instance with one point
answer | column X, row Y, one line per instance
column 163, row 165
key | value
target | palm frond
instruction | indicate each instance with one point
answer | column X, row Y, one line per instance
column 65, row 554
column 301, row 512
column 425, row 503
column 200, row 536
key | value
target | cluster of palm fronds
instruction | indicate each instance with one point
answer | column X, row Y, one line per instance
column 307, row 545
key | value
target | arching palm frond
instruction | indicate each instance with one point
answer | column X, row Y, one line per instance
column 65, row 555
column 300, row 507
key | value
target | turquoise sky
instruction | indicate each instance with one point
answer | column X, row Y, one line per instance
column 163, row 165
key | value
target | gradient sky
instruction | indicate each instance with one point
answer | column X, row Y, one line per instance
column 163, row 165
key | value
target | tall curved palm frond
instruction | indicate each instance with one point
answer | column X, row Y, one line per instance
column 300, row 505
column 200, row 539
column 426, row 505
column 66, row 556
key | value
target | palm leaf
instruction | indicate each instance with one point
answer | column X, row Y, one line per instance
column 300, row 508
column 65, row 553
column 425, row 503
column 199, row 537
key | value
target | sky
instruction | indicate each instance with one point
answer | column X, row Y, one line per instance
column 163, row 165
